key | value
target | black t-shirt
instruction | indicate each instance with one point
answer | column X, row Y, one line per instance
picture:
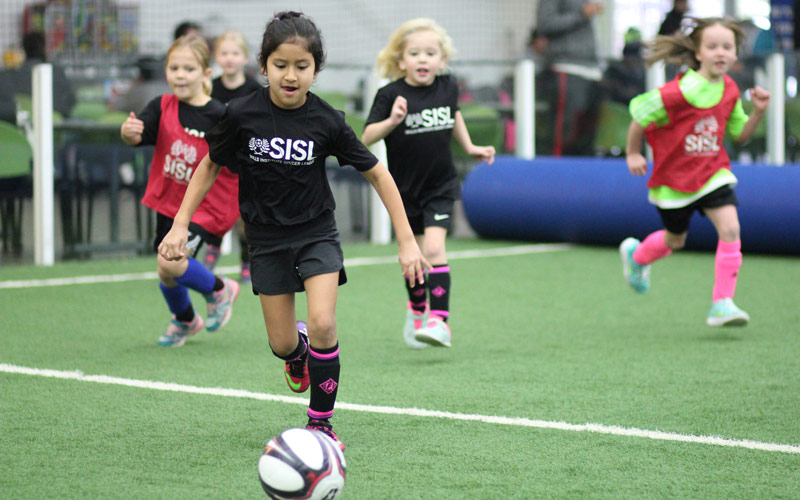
column 418, row 150
column 224, row 94
column 280, row 158
column 196, row 120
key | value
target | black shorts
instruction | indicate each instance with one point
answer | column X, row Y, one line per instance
column 197, row 235
column 676, row 220
column 436, row 212
column 282, row 268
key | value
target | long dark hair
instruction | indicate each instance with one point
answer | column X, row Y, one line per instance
column 290, row 26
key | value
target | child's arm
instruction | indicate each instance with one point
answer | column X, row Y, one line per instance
column 460, row 132
column 131, row 130
column 173, row 246
column 760, row 99
column 374, row 132
column 633, row 149
column 411, row 259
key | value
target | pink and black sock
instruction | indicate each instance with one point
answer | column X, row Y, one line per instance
column 439, row 290
column 417, row 296
column 323, row 370
column 726, row 269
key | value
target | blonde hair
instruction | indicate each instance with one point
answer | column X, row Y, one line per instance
column 389, row 58
column 681, row 47
column 235, row 37
column 199, row 48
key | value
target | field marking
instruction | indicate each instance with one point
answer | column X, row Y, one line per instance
column 354, row 262
column 416, row 412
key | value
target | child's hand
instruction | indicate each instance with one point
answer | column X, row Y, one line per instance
column 132, row 129
column 412, row 262
column 759, row 97
column 483, row 153
column 636, row 164
column 173, row 246
column 399, row 110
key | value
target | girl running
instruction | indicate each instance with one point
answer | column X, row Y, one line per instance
column 684, row 122
column 416, row 115
column 279, row 138
column 176, row 124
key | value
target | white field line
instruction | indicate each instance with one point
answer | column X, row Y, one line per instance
column 415, row 412
column 354, row 262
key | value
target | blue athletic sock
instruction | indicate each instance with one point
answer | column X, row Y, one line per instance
column 177, row 298
column 197, row 277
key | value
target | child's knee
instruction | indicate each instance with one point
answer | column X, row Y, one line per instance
column 322, row 330
column 675, row 241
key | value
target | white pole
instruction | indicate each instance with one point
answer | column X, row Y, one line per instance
column 654, row 77
column 776, row 140
column 525, row 109
column 44, row 235
column 380, row 225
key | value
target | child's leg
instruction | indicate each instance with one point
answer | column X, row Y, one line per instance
column 184, row 322
column 417, row 294
column 219, row 292
column 729, row 256
column 439, row 277
column 323, row 362
column 653, row 247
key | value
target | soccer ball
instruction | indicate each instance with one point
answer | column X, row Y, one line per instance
column 302, row 464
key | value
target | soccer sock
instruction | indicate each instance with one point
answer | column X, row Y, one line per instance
column 299, row 351
column 197, row 278
column 726, row 268
column 178, row 301
column 439, row 286
column 651, row 249
column 417, row 297
column 323, row 370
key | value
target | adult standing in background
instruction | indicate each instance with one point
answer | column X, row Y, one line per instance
column 576, row 72
column 672, row 22
column 35, row 53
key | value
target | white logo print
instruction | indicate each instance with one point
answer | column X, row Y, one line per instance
column 180, row 162
column 282, row 150
column 429, row 120
column 441, row 216
column 705, row 140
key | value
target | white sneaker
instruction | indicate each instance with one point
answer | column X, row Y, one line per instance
column 414, row 321
column 435, row 332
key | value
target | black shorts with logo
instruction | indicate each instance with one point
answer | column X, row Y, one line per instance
column 436, row 212
column 676, row 220
column 281, row 265
column 197, row 235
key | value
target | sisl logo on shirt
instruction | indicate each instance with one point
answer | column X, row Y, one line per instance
column 282, row 150
column 705, row 139
column 180, row 162
column 429, row 120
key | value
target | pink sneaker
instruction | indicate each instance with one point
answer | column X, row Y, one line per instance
column 177, row 332
column 220, row 304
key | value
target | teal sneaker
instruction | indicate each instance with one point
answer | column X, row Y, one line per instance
column 219, row 305
column 177, row 332
column 435, row 332
column 414, row 322
column 725, row 313
column 637, row 276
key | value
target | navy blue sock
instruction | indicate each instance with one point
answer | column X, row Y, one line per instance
column 178, row 301
column 197, row 278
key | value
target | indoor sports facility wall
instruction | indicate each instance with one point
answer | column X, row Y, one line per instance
column 354, row 30
column 597, row 201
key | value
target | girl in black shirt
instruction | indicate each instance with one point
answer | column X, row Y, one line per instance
column 231, row 54
column 279, row 138
column 417, row 116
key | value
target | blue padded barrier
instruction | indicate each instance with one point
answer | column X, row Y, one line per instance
column 597, row 201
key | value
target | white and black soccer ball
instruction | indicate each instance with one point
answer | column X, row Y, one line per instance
column 302, row 464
